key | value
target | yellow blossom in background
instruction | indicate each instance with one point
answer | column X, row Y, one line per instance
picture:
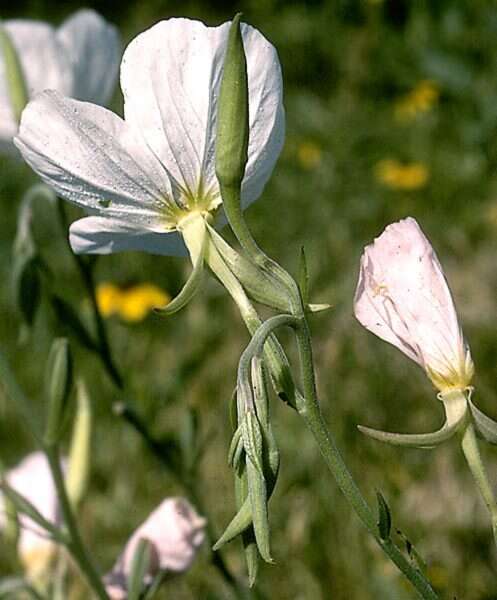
column 399, row 176
column 419, row 100
column 131, row 304
column 108, row 299
column 309, row 155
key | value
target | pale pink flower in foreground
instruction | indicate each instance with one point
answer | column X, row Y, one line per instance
column 175, row 532
column 143, row 176
column 32, row 479
column 80, row 59
column 403, row 297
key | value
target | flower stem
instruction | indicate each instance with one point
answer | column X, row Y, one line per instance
column 75, row 545
column 471, row 452
column 86, row 273
column 308, row 408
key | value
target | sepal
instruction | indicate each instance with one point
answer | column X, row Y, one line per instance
column 485, row 426
column 456, row 412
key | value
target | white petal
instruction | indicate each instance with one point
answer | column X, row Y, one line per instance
column 98, row 235
column 170, row 78
column 166, row 78
column 92, row 157
column 93, row 49
column 403, row 297
column 266, row 112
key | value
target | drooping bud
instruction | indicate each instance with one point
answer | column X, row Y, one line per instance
column 14, row 76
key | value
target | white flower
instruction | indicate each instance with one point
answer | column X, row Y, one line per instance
column 79, row 59
column 175, row 532
column 403, row 297
column 141, row 176
column 32, row 479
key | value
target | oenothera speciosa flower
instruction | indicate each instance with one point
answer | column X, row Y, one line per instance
column 175, row 533
column 32, row 479
column 149, row 179
column 80, row 59
column 403, row 297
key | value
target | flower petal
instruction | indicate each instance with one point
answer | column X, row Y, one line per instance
column 266, row 112
column 170, row 78
column 93, row 49
column 98, row 235
column 93, row 158
column 403, row 297
column 166, row 78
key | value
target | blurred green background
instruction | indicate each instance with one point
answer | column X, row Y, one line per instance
column 391, row 111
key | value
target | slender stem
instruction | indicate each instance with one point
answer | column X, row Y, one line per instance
column 308, row 408
column 86, row 274
column 75, row 546
column 471, row 451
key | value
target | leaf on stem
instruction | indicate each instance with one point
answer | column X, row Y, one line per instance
column 384, row 517
column 485, row 426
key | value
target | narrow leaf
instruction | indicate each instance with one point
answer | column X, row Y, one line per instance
column 252, row 440
column 303, row 277
column 485, row 426
column 384, row 517
column 240, row 522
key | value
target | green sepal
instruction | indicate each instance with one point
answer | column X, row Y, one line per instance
column 238, row 524
column 57, row 387
column 485, row 426
column 232, row 136
column 140, row 568
column 456, row 414
column 412, row 440
column 236, row 448
column 259, row 505
column 188, row 291
column 14, row 76
column 260, row 285
column 384, row 517
column 252, row 440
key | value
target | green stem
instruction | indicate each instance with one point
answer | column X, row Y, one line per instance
column 75, row 545
column 471, row 451
column 86, row 273
column 308, row 408
column 307, row 404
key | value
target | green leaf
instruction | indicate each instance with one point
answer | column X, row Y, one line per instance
column 384, row 517
column 240, row 522
column 260, row 518
column 303, row 277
